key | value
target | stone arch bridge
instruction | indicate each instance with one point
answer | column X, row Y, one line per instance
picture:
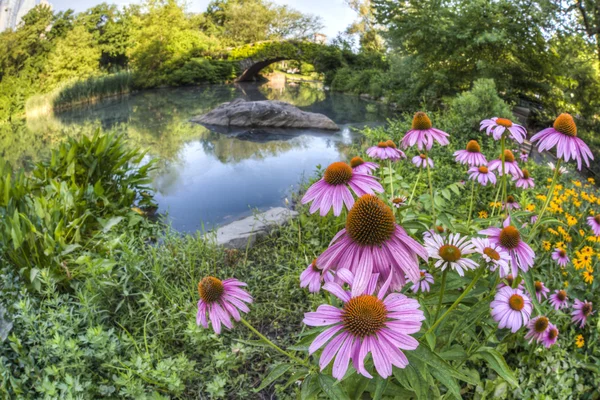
column 254, row 57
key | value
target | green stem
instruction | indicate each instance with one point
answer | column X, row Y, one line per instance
column 548, row 199
column 415, row 187
column 442, row 288
column 504, row 193
column 430, row 190
column 457, row 301
column 391, row 178
column 271, row 344
column 471, row 206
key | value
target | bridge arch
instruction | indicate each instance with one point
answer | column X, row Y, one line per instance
column 254, row 57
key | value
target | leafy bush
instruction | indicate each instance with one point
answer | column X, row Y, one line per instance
column 201, row 70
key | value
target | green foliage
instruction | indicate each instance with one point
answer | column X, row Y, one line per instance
column 201, row 70
column 86, row 188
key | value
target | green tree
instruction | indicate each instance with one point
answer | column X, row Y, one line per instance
column 76, row 56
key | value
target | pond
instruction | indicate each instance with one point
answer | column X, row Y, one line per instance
column 205, row 178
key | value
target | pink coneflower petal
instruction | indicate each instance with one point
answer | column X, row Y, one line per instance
column 499, row 126
column 423, row 134
column 422, row 161
column 450, row 251
column 541, row 291
column 471, row 155
column 559, row 299
column 493, row 254
column 525, row 181
column 551, row 336
column 510, row 165
column 222, row 300
column 511, row 308
column 332, row 190
column 537, row 328
column 365, row 324
column 563, row 135
column 594, row 223
column 561, row 257
column 509, row 239
column 582, row 310
column 423, row 284
column 482, row 174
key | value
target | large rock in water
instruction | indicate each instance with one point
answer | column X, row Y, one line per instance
column 264, row 114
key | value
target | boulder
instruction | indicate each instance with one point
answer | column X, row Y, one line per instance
column 264, row 114
column 242, row 233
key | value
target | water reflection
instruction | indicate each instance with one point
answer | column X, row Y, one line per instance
column 206, row 177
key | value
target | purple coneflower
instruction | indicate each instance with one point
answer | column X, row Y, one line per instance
column 380, row 325
column 581, row 311
column 422, row 133
column 537, row 328
column 422, row 160
column 594, row 223
column 509, row 237
column 373, row 242
column 361, row 166
column 540, row 291
column 524, row 156
column 222, row 300
column 561, row 257
column 510, row 165
column 332, row 189
column 559, row 299
column 449, row 252
column 525, row 181
column 386, row 151
column 482, row 175
column 423, row 283
column 494, row 255
column 549, row 339
column 472, row 155
column 497, row 127
column 563, row 135
column 312, row 277
column 511, row 203
column 511, row 308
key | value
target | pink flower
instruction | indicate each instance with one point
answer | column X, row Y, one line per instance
column 524, row 156
column 510, row 165
column 312, row 277
column 581, row 311
column 472, row 155
column 380, row 325
column 594, row 223
column 537, row 328
column 332, row 189
column 386, row 151
column 525, row 181
column 540, row 291
column 493, row 254
column 498, row 126
column 563, row 135
column 561, row 257
column 511, row 203
column 222, row 300
column 559, row 299
column 398, row 202
column 550, row 337
column 509, row 238
column 372, row 242
column 423, row 283
column 361, row 166
column 482, row 175
column 511, row 308
column 423, row 134
column 449, row 252
column 422, row 160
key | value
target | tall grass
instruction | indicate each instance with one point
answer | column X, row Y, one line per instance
column 80, row 92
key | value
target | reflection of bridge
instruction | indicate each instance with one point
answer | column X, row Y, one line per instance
column 254, row 57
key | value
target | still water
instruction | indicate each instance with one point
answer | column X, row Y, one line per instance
column 205, row 178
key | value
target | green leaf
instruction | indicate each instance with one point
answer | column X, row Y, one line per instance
column 446, row 380
column 108, row 225
column 380, row 388
column 310, row 388
column 498, row 364
column 275, row 374
column 412, row 379
column 332, row 388
column 435, row 361
column 98, row 189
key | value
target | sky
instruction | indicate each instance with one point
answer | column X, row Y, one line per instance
column 335, row 13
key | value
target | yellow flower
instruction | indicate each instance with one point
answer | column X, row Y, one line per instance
column 581, row 232
column 568, row 238
column 576, row 183
column 587, row 250
column 560, row 245
column 577, row 203
column 530, row 207
column 592, row 239
column 565, row 273
column 589, row 269
column 577, row 264
column 496, row 204
column 483, row 214
column 588, row 277
column 541, row 197
column 592, row 181
column 566, row 284
column 547, row 245
column 552, row 231
column 579, row 341
column 571, row 220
